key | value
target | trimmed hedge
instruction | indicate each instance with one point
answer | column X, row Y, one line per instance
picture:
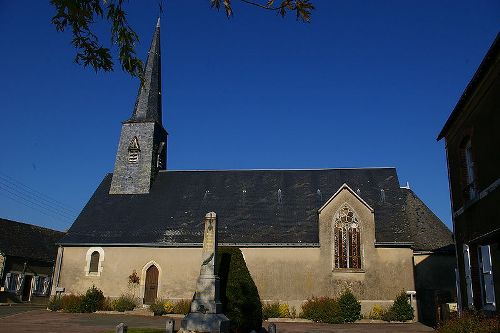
column 239, row 295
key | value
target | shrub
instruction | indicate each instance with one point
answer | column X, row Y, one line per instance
column 92, row 301
column 107, row 304
column 470, row 322
column 55, row 303
column 158, row 307
column 239, row 295
column 284, row 310
column 124, row 303
column 377, row 312
column 71, row 303
column 350, row 308
column 182, row 306
column 322, row 310
column 271, row 310
column 401, row 310
column 168, row 306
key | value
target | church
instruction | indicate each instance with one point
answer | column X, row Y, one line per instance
column 303, row 233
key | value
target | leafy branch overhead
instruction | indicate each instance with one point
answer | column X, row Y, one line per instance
column 79, row 15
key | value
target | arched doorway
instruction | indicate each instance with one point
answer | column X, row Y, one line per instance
column 151, row 285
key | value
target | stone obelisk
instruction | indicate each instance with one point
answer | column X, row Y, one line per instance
column 206, row 308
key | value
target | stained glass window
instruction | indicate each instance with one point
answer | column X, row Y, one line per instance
column 346, row 239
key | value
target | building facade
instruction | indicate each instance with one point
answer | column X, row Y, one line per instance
column 473, row 154
column 27, row 257
column 303, row 233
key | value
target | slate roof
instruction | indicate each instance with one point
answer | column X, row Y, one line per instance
column 28, row 241
column 253, row 207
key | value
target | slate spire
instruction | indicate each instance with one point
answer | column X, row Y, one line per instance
column 148, row 102
column 142, row 150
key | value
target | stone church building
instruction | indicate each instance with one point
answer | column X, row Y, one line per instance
column 303, row 233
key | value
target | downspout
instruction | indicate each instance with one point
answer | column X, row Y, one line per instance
column 458, row 279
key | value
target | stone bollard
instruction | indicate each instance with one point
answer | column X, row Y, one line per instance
column 121, row 328
column 271, row 328
column 169, row 326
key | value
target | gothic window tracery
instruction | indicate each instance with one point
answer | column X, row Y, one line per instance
column 346, row 239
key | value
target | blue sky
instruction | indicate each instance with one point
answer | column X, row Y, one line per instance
column 364, row 84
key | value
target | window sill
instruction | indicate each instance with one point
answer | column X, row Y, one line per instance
column 348, row 270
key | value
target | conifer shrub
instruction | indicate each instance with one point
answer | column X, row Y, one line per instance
column 71, row 303
column 401, row 310
column 124, row 303
column 350, row 308
column 239, row 294
column 92, row 301
column 322, row 310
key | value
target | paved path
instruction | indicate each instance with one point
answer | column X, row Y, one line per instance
column 57, row 322
column 7, row 310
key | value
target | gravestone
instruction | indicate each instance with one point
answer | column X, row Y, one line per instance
column 206, row 308
column 121, row 328
column 169, row 326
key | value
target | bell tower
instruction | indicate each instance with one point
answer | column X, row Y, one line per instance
column 143, row 140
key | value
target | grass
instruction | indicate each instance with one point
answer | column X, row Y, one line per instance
column 141, row 330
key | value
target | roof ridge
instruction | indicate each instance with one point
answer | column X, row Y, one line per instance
column 291, row 169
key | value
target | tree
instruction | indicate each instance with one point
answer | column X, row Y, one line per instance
column 78, row 16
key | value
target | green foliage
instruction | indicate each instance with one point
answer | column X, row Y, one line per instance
column 271, row 310
column 377, row 312
column 239, row 295
column 123, row 303
column 79, row 15
column 158, row 307
column 182, row 306
column 92, row 301
column 470, row 322
column 71, row 303
column 55, row 303
column 350, row 308
column 322, row 310
column 401, row 310
column 278, row 310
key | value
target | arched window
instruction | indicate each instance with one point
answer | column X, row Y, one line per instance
column 346, row 239
column 133, row 151
column 94, row 262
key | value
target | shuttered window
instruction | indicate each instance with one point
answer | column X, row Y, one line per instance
column 468, row 276
column 486, row 273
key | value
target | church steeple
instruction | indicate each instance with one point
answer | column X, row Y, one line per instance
column 143, row 140
column 148, row 101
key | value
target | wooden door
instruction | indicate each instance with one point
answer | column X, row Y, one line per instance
column 151, row 285
column 26, row 288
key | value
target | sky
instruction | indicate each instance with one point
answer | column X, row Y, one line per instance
column 365, row 84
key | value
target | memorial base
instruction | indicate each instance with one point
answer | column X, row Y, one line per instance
column 205, row 322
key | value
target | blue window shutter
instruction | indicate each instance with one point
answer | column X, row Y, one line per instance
column 487, row 272
column 468, row 276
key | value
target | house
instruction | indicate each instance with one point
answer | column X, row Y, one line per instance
column 27, row 257
column 473, row 153
column 303, row 233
